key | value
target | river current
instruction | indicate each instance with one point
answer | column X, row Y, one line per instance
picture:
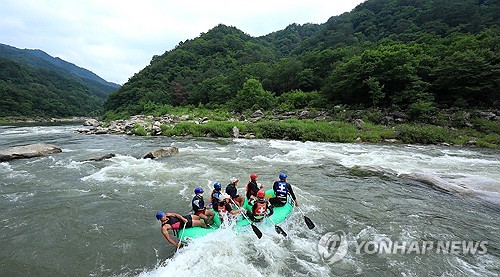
column 63, row 216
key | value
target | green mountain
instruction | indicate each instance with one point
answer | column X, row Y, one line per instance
column 411, row 55
column 32, row 83
column 40, row 59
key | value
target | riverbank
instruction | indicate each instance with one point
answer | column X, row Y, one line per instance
column 17, row 120
column 479, row 129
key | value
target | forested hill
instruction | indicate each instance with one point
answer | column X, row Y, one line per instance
column 34, row 84
column 39, row 59
column 411, row 55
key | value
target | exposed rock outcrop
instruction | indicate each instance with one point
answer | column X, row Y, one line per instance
column 28, row 151
column 105, row 157
column 162, row 152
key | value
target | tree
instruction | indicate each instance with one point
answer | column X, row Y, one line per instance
column 253, row 96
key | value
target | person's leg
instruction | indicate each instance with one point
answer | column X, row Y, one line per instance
column 195, row 221
column 240, row 200
column 209, row 216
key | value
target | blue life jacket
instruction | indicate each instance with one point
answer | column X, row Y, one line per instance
column 281, row 190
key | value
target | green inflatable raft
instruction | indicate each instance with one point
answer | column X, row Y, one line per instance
column 242, row 224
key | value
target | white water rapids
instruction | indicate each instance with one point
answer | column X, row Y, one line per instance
column 63, row 216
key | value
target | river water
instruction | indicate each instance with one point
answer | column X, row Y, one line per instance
column 62, row 216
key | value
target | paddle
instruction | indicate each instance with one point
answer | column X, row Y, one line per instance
column 180, row 237
column 256, row 230
column 308, row 221
column 278, row 229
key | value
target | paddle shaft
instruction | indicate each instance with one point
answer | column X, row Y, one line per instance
column 180, row 237
column 308, row 221
column 255, row 229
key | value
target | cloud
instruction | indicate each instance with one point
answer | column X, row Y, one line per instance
column 116, row 39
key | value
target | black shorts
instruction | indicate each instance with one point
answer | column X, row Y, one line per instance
column 189, row 224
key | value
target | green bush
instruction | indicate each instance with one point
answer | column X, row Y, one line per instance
column 139, row 130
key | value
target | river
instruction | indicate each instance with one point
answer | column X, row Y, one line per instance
column 62, row 216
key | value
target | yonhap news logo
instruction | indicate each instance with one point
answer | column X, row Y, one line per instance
column 333, row 247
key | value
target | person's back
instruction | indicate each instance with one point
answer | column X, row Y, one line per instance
column 214, row 196
column 260, row 207
column 252, row 187
column 282, row 189
column 198, row 204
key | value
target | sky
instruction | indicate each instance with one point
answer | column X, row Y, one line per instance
column 117, row 38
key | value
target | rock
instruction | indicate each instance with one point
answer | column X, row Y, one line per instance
column 359, row 139
column 257, row 113
column 470, row 143
column 304, row 114
column 162, row 152
column 358, row 123
column 28, row 151
column 236, row 132
column 92, row 122
column 105, row 157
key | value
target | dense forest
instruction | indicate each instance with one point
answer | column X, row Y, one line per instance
column 34, row 92
column 32, row 83
column 416, row 56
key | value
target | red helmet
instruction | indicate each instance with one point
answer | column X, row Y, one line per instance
column 261, row 194
column 253, row 176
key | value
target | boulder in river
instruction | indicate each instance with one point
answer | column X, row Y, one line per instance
column 102, row 158
column 162, row 152
column 28, row 151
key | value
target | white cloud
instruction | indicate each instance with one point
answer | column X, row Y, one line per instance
column 116, row 39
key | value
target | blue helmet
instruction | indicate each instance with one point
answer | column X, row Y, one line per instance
column 198, row 190
column 282, row 176
column 159, row 215
column 217, row 186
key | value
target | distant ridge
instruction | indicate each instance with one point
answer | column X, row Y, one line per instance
column 40, row 59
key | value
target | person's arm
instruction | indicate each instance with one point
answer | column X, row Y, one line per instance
column 164, row 231
column 292, row 194
column 231, row 210
column 177, row 216
column 270, row 208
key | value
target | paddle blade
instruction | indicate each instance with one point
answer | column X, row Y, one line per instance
column 279, row 230
column 309, row 222
column 256, row 230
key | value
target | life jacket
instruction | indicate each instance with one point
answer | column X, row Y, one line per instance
column 259, row 209
column 281, row 190
column 232, row 191
column 215, row 197
column 197, row 203
column 174, row 222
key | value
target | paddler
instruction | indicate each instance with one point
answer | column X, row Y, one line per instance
column 176, row 222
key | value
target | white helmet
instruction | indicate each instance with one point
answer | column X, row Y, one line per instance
column 233, row 180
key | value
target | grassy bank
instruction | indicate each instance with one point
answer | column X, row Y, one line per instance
column 335, row 131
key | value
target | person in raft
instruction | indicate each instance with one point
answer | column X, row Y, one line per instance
column 176, row 222
column 261, row 208
column 214, row 196
column 233, row 191
column 281, row 190
column 199, row 208
column 252, row 188
column 225, row 209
